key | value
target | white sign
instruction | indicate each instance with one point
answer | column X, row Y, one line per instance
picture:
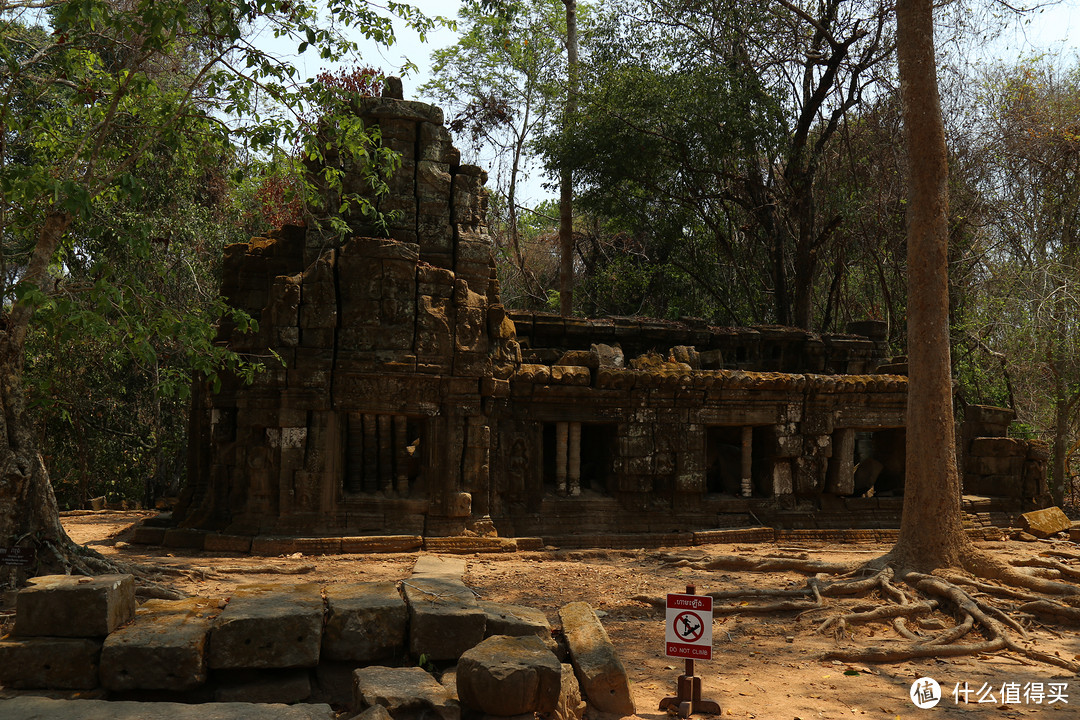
column 688, row 633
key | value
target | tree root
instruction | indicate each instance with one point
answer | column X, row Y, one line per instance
column 913, row 596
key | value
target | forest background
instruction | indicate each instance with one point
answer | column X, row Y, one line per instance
column 740, row 162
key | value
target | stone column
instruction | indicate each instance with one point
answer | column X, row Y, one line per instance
column 841, row 477
column 747, row 475
column 386, row 454
column 562, row 431
column 401, row 456
column 371, row 454
column 574, row 459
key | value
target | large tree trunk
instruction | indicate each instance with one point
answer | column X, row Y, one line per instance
column 29, row 516
column 931, row 530
column 566, row 177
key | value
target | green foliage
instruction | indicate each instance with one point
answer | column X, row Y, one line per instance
column 123, row 125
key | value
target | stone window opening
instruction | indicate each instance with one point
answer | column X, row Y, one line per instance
column 382, row 454
column 733, row 457
column 879, row 457
column 578, row 457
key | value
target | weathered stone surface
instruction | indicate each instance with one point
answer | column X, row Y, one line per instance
column 36, row 708
column 74, row 606
column 268, row 626
column 49, row 663
column 263, row 686
column 570, row 705
column 375, row 712
column 516, row 620
column 444, row 619
column 506, row 675
column 364, row 622
column 407, row 693
column 1046, row 522
column 998, row 447
column 599, row 671
column 164, row 649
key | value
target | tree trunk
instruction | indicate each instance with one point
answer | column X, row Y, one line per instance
column 566, row 177
column 931, row 529
column 1060, row 473
column 29, row 516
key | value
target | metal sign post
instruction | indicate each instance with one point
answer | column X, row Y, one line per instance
column 688, row 635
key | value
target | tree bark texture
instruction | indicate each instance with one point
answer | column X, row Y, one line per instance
column 29, row 516
column 931, row 529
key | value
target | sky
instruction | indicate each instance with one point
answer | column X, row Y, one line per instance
column 1054, row 29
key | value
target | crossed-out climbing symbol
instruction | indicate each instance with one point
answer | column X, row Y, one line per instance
column 688, row 626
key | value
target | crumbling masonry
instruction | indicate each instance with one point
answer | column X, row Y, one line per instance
column 409, row 401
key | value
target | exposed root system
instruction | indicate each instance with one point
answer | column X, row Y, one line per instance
column 991, row 603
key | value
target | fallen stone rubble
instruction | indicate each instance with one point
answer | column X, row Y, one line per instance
column 362, row 649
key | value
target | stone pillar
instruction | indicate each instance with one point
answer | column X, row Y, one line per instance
column 371, row 454
column 841, row 474
column 386, row 454
column 401, row 456
column 562, row 431
column 574, row 459
column 747, row 474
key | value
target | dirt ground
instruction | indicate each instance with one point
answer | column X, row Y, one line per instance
column 764, row 665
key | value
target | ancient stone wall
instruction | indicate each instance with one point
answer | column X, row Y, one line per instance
column 400, row 397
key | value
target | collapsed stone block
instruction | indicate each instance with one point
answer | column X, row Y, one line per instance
column 506, row 675
column 364, row 622
column 1046, row 522
column 268, row 627
column 406, row 693
column 74, row 606
column 50, row 663
column 164, row 649
column 444, row 619
column 599, row 671
column 515, row 620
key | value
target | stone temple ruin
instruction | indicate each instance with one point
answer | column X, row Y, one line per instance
column 409, row 400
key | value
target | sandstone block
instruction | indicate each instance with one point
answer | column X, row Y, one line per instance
column 364, row 622
column 998, row 447
column 268, row 627
column 1046, row 522
column 164, row 649
column 49, row 663
column 599, row 671
column 515, row 620
column 570, row 705
column 73, row 606
column 263, row 686
column 444, row 619
column 406, row 693
column 1074, row 533
column 508, row 676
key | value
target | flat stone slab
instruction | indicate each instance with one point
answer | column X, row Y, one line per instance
column 364, row 622
column 599, row 671
column 504, row 619
column 163, row 649
column 506, row 676
column 37, row 708
column 444, row 619
column 74, row 606
column 1046, row 522
column 49, row 663
column 268, row 626
column 406, row 693
column 439, row 566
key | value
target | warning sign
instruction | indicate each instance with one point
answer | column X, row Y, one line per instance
column 689, row 627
